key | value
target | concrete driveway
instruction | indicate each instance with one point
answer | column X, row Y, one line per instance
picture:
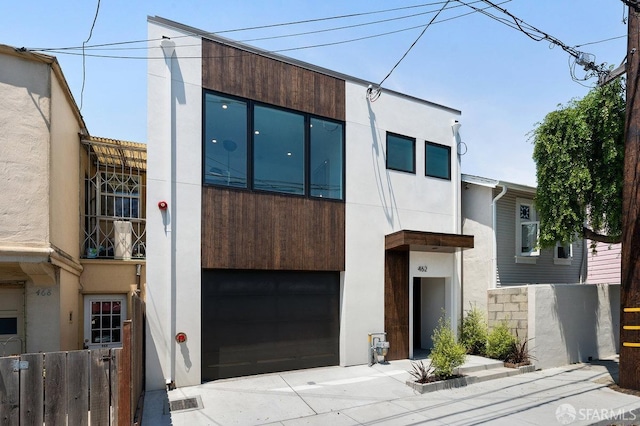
column 577, row 394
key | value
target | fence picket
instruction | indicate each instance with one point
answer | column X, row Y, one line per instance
column 32, row 390
column 99, row 387
column 9, row 392
column 55, row 388
column 78, row 388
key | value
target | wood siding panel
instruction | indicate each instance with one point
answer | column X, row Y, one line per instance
column 237, row 72
column 396, row 303
column 245, row 230
column 604, row 265
column 544, row 271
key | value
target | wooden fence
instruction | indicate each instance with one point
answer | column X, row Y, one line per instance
column 97, row 387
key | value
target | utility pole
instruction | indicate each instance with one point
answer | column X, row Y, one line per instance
column 630, row 279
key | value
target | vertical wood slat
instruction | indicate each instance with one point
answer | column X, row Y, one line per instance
column 124, row 374
column 99, row 387
column 32, row 391
column 241, row 73
column 396, row 303
column 78, row 388
column 55, row 388
column 9, row 392
column 114, row 386
column 137, row 356
column 243, row 230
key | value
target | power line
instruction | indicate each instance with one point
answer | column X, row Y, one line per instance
column 306, row 21
column 66, row 52
column 382, row 21
column 580, row 58
column 95, row 18
column 414, row 43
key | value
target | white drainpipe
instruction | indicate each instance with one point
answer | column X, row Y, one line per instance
column 494, row 260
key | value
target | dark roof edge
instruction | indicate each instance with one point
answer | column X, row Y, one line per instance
column 291, row 61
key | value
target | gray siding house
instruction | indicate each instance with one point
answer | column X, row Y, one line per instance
column 503, row 219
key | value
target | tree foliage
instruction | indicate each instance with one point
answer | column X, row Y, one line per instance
column 579, row 152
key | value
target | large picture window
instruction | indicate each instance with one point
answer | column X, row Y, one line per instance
column 401, row 153
column 278, row 150
column 258, row 147
column 225, row 135
column 437, row 161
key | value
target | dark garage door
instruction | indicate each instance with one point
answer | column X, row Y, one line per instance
column 266, row 321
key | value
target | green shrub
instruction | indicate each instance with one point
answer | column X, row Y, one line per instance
column 447, row 354
column 500, row 343
column 474, row 333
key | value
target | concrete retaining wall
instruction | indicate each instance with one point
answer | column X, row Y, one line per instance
column 572, row 323
column 566, row 323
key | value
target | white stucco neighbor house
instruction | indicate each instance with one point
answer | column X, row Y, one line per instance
column 65, row 274
column 291, row 213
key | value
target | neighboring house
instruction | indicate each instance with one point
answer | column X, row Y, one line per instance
column 291, row 213
column 503, row 218
column 603, row 264
column 51, row 298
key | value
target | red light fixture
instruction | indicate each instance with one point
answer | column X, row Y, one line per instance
column 162, row 205
column 181, row 337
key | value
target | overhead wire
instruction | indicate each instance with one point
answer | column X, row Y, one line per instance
column 413, row 44
column 306, row 21
column 84, row 71
column 66, row 52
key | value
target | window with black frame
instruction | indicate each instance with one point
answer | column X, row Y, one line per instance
column 259, row 147
column 401, row 153
column 437, row 160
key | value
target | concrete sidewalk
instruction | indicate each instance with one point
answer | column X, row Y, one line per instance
column 575, row 394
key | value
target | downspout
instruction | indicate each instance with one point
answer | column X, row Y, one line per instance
column 455, row 127
column 494, row 214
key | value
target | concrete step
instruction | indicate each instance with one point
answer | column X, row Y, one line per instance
column 484, row 364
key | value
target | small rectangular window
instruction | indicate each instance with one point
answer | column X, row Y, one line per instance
column 437, row 161
column 529, row 239
column 563, row 253
column 401, row 153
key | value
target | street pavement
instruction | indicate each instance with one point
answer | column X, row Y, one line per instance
column 577, row 394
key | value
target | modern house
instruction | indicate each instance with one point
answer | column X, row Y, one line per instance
column 57, row 290
column 291, row 211
column 503, row 218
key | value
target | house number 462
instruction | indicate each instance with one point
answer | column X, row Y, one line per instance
column 422, row 268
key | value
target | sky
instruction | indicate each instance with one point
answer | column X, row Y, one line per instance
column 503, row 81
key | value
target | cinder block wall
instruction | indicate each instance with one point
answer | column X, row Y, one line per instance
column 510, row 304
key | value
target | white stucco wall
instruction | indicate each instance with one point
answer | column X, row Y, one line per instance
column 380, row 202
column 477, row 262
column 24, row 150
column 570, row 323
column 64, row 173
column 174, row 176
